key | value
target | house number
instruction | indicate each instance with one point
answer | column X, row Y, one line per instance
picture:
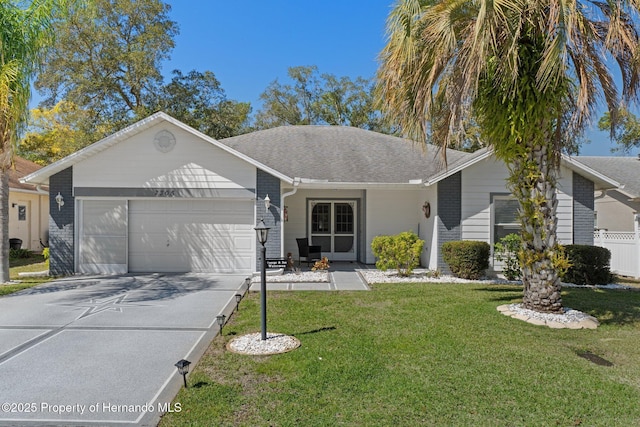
column 165, row 193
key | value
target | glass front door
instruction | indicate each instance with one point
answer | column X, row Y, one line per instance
column 333, row 225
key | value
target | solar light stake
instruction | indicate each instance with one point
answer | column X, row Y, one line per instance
column 183, row 369
column 221, row 320
column 238, row 299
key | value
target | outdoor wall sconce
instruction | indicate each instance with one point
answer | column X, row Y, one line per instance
column 183, row 369
column 60, row 201
column 238, row 299
column 426, row 208
column 267, row 202
column 220, row 319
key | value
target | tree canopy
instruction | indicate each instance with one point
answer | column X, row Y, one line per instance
column 104, row 73
column 311, row 98
column 625, row 133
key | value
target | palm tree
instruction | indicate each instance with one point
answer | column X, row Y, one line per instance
column 531, row 73
column 24, row 32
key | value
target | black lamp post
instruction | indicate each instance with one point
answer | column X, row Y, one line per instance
column 262, row 231
column 183, row 369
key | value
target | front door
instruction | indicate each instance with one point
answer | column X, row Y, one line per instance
column 333, row 225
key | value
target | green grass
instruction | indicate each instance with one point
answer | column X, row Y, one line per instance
column 18, row 265
column 420, row 354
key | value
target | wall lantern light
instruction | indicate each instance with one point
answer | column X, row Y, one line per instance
column 60, row 200
column 426, row 208
column 267, row 202
column 183, row 369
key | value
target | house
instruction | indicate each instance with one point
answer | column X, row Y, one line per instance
column 617, row 209
column 28, row 207
column 617, row 212
column 160, row 196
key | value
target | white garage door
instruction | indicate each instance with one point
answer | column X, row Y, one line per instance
column 191, row 236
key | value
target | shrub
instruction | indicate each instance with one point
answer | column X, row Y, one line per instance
column 401, row 252
column 45, row 253
column 589, row 265
column 323, row 264
column 506, row 251
column 467, row 259
column 19, row 253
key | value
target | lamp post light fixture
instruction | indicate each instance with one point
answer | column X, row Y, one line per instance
column 262, row 232
column 221, row 319
column 183, row 369
column 238, row 299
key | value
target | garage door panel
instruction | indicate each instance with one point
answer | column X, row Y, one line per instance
column 198, row 236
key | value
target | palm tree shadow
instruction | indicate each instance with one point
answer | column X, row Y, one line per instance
column 315, row 331
column 609, row 306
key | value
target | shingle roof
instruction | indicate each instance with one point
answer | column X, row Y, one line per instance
column 341, row 154
column 625, row 170
column 23, row 167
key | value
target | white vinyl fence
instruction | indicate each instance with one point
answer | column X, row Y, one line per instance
column 625, row 251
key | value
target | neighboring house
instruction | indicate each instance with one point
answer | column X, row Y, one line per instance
column 160, row 196
column 618, row 212
column 617, row 208
column 28, row 207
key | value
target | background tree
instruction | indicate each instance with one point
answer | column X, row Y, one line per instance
column 626, row 132
column 104, row 73
column 107, row 58
column 199, row 100
column 56, row 132
column 530, row 73
column 25, row 30
column 312, row 99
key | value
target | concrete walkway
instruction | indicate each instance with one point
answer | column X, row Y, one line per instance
column 343, row 276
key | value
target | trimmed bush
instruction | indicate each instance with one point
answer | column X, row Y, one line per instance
column 45, row 254
column 506, row 251
column 19, row 253
column 589, row 265
column 467, row 259
column 401, row 252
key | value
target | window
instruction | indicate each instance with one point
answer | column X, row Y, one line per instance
column 505, row 217
column 22, row 213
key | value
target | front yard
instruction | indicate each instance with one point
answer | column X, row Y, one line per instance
column 34, row 263
column 421, row 354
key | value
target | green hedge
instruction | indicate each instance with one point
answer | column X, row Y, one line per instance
column 589, row 265
column 467, row 259
column 401, row 252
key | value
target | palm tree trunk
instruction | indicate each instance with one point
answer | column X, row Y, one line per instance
column 535, row 177
column 4, row 225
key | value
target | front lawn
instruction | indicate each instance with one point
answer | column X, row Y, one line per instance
column 34, row 263
column 421, row 354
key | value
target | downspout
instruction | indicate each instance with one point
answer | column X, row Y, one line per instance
column 296, row 183
column 39, row 190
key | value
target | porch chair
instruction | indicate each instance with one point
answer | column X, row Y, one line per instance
column 310, row 253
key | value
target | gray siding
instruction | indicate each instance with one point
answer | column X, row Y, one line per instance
column 268, row 184
column 583, row 208
column 61, row 224
column 449, row 214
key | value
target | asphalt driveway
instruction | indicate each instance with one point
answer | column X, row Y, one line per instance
column 101, row 350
